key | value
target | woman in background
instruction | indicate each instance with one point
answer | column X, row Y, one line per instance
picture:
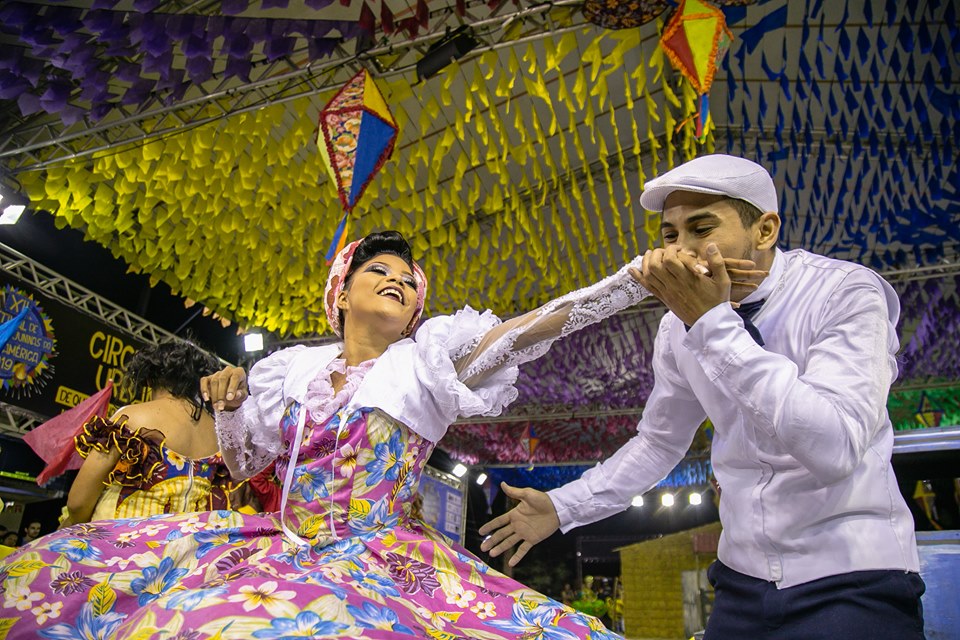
column 159, row 456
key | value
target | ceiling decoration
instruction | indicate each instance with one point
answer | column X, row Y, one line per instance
column 183, row 137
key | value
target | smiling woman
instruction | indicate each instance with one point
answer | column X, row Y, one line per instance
column 349, row 427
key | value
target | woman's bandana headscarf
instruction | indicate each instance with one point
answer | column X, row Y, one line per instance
column 339, row 269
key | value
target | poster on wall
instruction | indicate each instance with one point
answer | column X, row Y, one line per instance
column 444, row 505
column 52, row 355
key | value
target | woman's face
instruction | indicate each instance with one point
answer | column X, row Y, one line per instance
column 382, row 293
column 10, row 539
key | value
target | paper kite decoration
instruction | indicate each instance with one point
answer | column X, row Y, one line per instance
column 695, row 40
column 928, row 414
column 356, row 137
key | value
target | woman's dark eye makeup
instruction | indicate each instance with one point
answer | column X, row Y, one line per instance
column 382, row 270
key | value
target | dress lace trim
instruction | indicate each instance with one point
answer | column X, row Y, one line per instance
column 321, row 402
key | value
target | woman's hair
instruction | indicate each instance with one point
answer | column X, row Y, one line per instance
column 376, row 244
column 175, row 366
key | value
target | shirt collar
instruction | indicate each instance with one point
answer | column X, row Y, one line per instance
column 769, row 283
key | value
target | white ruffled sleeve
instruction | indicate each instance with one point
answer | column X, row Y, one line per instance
column 249, row 437
column 531, row 335
column 440, row 342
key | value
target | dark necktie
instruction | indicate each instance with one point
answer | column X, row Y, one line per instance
column 746, row 311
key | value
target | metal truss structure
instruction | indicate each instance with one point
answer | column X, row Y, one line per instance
column 72, row 294
column 16, row 421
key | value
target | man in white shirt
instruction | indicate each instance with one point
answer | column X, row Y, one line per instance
column 817, row 541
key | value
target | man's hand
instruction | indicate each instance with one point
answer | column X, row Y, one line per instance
column 679, row 281
column 226, row 389
column 531, row 521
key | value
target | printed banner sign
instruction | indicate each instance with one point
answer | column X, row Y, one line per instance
column 53, row 356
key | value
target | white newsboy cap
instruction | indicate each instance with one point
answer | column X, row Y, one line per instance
column 716, row 174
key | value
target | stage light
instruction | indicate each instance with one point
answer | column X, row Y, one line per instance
column 14, row 204
column 637, row 501
column 452, row 47
column 253, row 342
column 481, row 478
column 695, row 498
column 459, row 470
column 666, row 499
column 11, row 214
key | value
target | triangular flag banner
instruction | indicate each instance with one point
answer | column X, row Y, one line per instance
column 928, row 414
column 532, row 443
column 9, row 328
column 53, row 440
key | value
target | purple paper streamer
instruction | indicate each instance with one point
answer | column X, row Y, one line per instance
column 316, row 5
column 278, row 47
column 29, row 104
column 199, row 68
column 233, row 7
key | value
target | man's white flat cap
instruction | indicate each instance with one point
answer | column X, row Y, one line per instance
column 715, row 174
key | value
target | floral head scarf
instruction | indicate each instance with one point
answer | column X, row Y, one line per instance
column 339, row 269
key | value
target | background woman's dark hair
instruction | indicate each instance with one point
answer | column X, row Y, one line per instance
column 174, row 366
column 374, row 245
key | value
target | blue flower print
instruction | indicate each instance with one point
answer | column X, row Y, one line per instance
column 155, row 581
column 89, row 627
column 534, row 624
column 374, row 617
column 298, row 557
column 378, row 519
column 346, row 549
column 311, row 483
column 192, row 598
column 212, row 538
column 378, row 584
column 318, row 578
column 389, row 460
column 76, row 549
column 307, row 624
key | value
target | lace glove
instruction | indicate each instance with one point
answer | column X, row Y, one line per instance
column 531, row 335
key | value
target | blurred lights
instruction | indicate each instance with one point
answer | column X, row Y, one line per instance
column 11, row 214
column 459, row 470
column 481, row 478
column 666, row 499
column 637, row 501
column 695, row 498
column 253, row 342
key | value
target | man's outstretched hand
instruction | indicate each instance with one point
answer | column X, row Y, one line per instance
column 532, row 520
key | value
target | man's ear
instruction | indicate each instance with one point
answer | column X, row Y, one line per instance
column 767, row 231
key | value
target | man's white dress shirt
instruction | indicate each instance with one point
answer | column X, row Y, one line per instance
column 802, row 440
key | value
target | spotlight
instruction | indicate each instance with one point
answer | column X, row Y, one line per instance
column 481, row 478
column 459, row 470
column 695, row 498
column 637, row 501
column 453, row 46
column 253, row 342
column 14, row 205
column 666, row 499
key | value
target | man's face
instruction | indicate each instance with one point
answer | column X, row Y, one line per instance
column 33, row 529
column 691, row 221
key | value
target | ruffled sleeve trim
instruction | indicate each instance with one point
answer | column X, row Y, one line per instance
column 140, row 449
column 443, row 340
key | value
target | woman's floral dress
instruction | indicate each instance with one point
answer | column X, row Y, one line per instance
column 151, row 479
column 368, row 569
